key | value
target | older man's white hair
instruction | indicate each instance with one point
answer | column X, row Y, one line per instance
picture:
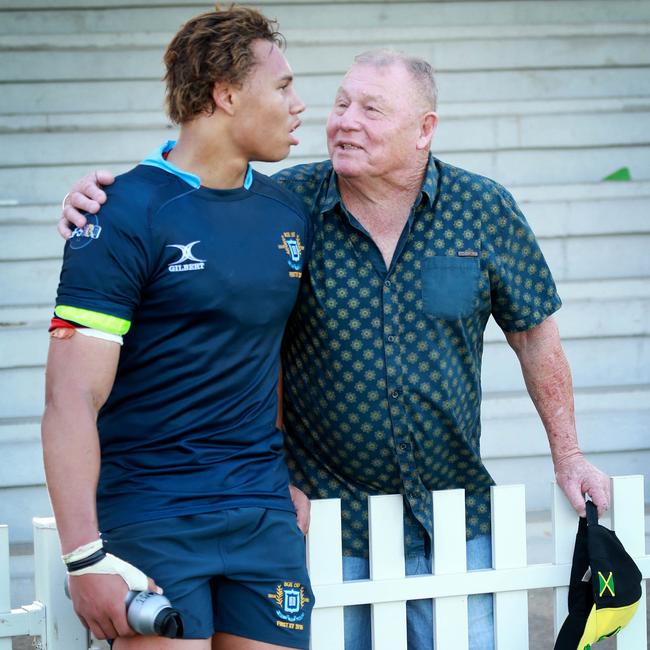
column 420, row 70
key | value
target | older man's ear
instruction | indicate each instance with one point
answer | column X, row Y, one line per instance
column 428, row 125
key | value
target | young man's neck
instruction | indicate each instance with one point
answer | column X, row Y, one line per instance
column 208, row 154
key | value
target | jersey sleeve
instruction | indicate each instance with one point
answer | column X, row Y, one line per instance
column 105, row 267
column 523, row 292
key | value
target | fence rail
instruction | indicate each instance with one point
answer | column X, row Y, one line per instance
column 51, row 616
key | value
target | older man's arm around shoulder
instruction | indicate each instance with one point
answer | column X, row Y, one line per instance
column 79, row 378
column 547, row 375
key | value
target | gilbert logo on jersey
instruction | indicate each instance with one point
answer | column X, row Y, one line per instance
column 187, row 261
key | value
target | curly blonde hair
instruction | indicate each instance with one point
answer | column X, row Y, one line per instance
column 212, row 47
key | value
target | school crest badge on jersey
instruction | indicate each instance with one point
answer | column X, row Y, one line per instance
column 293, row 247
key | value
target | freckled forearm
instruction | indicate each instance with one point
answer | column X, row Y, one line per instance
column 548, row 379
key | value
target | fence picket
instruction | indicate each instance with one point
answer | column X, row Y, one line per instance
column 509, row 551
column 565, row 527
column 5, row 581
column 325, row 563
column 450, row 556
column 386, row 531
column 628, row 520
column 63, row 630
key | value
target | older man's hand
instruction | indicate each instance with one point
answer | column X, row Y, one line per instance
column 86, row 195
column 577, row 477
column 302, row 506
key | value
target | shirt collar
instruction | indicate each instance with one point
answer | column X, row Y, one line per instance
column 428, row 190
column 156, row 159
column 430, row 182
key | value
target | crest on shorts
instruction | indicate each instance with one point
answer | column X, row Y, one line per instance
column 293, row 247
column 290, row 599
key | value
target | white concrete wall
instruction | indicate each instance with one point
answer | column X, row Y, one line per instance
column 546, row 97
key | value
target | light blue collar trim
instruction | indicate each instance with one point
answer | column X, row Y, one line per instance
column 155, row 159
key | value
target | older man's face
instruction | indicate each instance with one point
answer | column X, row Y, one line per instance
column 375, row 123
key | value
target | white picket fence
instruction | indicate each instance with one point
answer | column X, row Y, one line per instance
column 51, row 617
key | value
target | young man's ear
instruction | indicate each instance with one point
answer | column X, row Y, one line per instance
column 428, row 124
column 224, row 96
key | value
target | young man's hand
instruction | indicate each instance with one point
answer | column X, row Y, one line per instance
column 98, row 601
column 86, row 195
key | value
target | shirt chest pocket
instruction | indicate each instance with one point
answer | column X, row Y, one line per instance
column 450, row 286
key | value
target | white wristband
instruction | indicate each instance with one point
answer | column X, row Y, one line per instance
column 82, row 552
column 107, row 565
column 111, row 565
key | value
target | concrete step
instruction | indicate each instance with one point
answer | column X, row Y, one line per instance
column 599, row 400
column 18, row 505
column 599, row 432
column 138, row 56
column 39, row 140
column 27, row 279
column 505, row 433
column 566, row 234
column 22, row 387
column 99, row 16
column 560, row 166
column 610, row 428
column 536, row 473
column 91, row 121
column 23, row 391
column 353, row 34
column 463, row 87
column 20, row 447
column 594, row 308
column 552, row 210
column 609, row 308
column 595, row 362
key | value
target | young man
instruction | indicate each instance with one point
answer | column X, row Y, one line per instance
column 159, row 428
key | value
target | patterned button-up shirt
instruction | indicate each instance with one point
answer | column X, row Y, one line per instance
column 382, row 366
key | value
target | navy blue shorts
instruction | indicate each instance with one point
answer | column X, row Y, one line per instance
column 240, row 571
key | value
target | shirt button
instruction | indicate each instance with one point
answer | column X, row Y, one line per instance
column 387, row 283
column 391, row 338
column 403, row 446
column 395, row 394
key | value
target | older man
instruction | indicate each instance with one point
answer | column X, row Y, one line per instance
column 382, row 357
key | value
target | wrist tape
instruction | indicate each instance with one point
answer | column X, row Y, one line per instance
column 91, row 558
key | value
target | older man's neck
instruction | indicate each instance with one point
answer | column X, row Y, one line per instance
column 399, row 188
column 382, row 205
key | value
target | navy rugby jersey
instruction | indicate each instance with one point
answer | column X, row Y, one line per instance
column 200, row 282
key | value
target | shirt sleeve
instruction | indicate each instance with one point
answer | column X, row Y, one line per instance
column 523, row 292
column 105, row 266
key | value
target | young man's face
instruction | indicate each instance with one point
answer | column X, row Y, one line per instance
column 269, row 106
column 375, row 123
